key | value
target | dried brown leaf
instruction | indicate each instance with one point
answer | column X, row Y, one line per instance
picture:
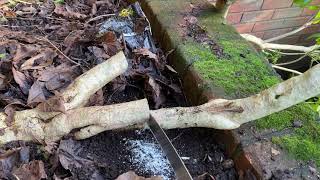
column 58, row 77
column 24, row 51
column 133, row 176
column 146, row 52
column 54, row 104
column 96, row 99
column 21, row 80
column 71, row 39
column 9, row 100
column 31, row 171
column 11, row 159
column 3, row 82
column 36, row 94
column 69, row 156
column 44, row 59
column 9, row 111
column 155, row 89
column 110, row 43
column 99, row 53
column 66, row 11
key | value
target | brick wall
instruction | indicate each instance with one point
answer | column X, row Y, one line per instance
column 270, row 18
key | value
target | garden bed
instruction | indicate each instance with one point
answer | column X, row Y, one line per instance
column 67, row 42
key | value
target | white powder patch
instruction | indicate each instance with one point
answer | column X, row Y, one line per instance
column 149, row 158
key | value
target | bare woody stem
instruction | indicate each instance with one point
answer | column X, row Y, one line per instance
column 306, row 25
column 220, row 113
column 264, row 45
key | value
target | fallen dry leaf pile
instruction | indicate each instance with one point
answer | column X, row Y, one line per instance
column 45, row 45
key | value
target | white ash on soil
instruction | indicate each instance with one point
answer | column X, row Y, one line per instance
column 148, row 157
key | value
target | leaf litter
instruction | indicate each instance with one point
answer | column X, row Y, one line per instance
column 45, row 45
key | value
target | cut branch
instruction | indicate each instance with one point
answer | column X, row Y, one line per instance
column 264, row 45
column 79, row 92
column 218, row 113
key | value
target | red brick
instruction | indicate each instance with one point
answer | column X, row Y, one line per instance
column 257, row 16
column 234, row 18
column 273, row 33
column 287, row 12
column 241, row 7
column 244, row 28
column 273, row 4
column 280, row 23
column 308, row 12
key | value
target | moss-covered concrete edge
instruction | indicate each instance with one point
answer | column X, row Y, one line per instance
column 242, row 72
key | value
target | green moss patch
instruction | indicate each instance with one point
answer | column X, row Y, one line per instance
column 240, row 72
column 301, row 148
column 285, row 118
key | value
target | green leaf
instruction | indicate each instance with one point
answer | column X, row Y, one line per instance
column 2, row 55
column 317, row 35
column 58, row 1
column 313, row 7
column 302, row 3
column 316, row 19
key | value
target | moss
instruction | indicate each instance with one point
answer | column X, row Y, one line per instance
column 300, row 147
column 240, row 72
column 285, row 118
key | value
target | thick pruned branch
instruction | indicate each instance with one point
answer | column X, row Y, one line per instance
column 217, row 113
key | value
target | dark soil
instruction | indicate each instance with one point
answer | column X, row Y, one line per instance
column 197, row 145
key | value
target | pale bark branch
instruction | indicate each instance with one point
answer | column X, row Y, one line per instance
column 30, row 124
column 79, row 92
column 264, row 45
column 306, row 25
column 218, row 113
column 286, row 69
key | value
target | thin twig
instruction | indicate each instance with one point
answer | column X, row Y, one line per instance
column 286, row 69
column 24, row 2
column 290, row 33
column 299, row 59
column 264, row 45
column 54, row 46
column 286, row 53
column 99, row 17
